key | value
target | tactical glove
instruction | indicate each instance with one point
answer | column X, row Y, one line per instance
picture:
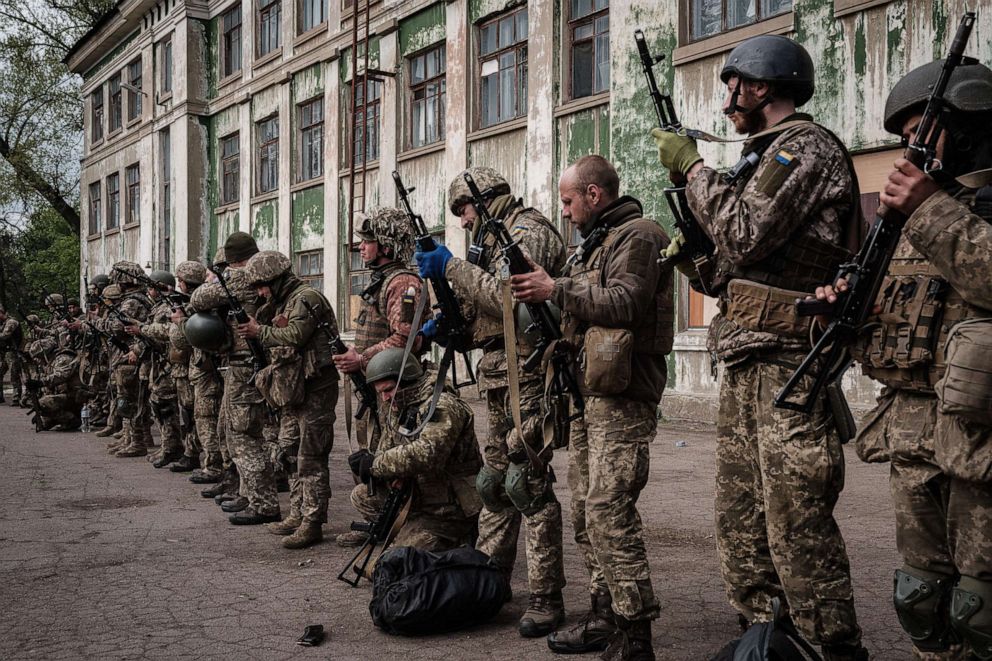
column 433, row 263
column 429, row 331
column 674, row 249
column 361, row 465
column 676, row 152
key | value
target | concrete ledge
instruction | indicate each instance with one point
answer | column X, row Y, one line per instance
column 692, row 407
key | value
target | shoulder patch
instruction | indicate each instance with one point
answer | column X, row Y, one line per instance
column 776, row 172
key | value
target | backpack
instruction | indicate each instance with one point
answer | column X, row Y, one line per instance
column 777, row 640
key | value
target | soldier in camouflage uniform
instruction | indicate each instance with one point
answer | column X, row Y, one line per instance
column 93, row 357
column 617, row 311
column 58, row 392
column 242, row 406
column 439, row 464
column 301, row 382
column 480, row 289
column 781, row 229
column 11, row 340
column 936, row 293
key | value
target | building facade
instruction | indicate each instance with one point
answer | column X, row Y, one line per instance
column 278, row 117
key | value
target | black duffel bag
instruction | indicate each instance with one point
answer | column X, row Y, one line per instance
column 417, row 592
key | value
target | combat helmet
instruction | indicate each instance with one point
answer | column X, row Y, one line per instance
column 41, row 347
column 391, row 229
column 99, row 281
column 112, row 292
column 386, row 365
column 192, row 273
column 33, row 319
column 206, row 331
column 163, row 278
column 969, row 90
column 485, row 178
column 54, row 300
column 239, row 247
column 126, row 273
column 775, row 59
column 266, row 266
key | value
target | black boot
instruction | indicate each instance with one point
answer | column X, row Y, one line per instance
column 235, row 505
column 166, row 458
column 630, row 642
column 185, row 465
column 591, row 633
column 845, row 652
column 231, row 484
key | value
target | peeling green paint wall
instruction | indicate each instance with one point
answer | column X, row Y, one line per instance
column 421, row 30
column 307, row 229
column 480, row 9
column 265, row 224
column 211, row 37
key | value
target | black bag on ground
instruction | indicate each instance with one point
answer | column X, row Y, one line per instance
column 417, row 592
column 777, row 640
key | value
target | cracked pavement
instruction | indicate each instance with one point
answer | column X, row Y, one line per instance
column 109, row 558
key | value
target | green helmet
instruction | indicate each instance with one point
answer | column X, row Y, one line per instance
column 206, row 331
column 773, row 58
column 126, row 273
column 112, row 292
column 485, row 178
column 99, row 281
column 33, row 319
column 239, row 247
column 192, row 273
column 163, row 278
column 386, row 365
column 391, row 229
column 969, row 90
column 525, row 321
column 266, row 266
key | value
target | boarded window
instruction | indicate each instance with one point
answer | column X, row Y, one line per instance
column 710, row 17
column 230, row 154
column 268, row 154
column 427, row 97
column 269, row 19
column 589, row 26
column 231, row 50
column 113, row 201
column 94, row 208
column 503, row 68
column 311, row 145
column 134, row 93
column 132, row 179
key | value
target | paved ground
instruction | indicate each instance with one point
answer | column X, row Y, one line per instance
column 108, row 558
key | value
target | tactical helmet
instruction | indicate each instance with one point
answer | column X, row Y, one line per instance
column 773, row 58
column 391, row 229
column 99, row 281
column 220, row 259
column 206, row 331
column 112, row 292
column 33, row 319
column 969, row 90
column 525, row 321
column 386, row 365
column 163, row 278
column 192, row 273
column 239, row 247
column 126, row 273
column 54, row 300
column 266, row 266
column 73, row 301
column 459, row 195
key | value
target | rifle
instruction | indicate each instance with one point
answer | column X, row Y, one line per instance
column 381, row 532
column 113, row 339
column 258, row 359
column 865, row 273
column 364, row 390
column 176, row 299
column 545, row 324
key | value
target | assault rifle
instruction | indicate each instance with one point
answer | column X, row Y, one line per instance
column 176, row 299
column 258, row 359
column 545, row 324
column 865, row 273
column 363, row 389
column 113, row 339
column 381, row 532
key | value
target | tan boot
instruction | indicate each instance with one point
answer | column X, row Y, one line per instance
column 544, row 614
column 105, row 432
column 132, row 451
column 285, row 527
column 308, row 534
column 351, row 539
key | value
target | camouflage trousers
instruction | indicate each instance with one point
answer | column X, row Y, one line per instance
column 163, row 403
column 312, row 424
column 608, row 463
column 421, row 530
column 245, row 412
column 138, row 427
column 187, row 427
column 498, row 531
column 60, row 409
column 207, row 393
column 10, row 360
column 779, row 474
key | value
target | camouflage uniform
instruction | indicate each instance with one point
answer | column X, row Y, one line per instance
column 63, row 394
column 242, row 404
column 617, row 286
column 132, row 389
column 207, row 388
column 481, row 292
column 442, row 463
column 779, row 472
column 11, row 338
column 160, row 366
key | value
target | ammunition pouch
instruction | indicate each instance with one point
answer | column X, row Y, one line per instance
column 608, row 354
column 971, row 615
column 765, row 309
column 921, row 600
column 281, row 381
column 527, row 492
column 966, row 387
column 490, row 485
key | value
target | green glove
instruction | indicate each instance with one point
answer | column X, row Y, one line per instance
column 674, row 249
column 676, row 152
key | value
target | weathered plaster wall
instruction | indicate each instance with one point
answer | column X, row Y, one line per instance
column 430, row 199
column 423, row 29
column 307, row 229
column 506, row 153
column 264, row 224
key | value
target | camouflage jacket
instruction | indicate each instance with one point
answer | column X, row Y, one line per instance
column 384, row 321
column 443, row 460
column 802, row 187
column 62, row 374
column 9, row 331
column 211, row 296
column 480, row 290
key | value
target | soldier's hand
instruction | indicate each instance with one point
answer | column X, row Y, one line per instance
column 429, row 331
column 348, row 362
column 177, row 316
column 133, row 329
column 533, row 287
column 907, row 188
column 361, row 465
column 676, row 152
column 433, row 263
column 250, row 329
column 132, row 358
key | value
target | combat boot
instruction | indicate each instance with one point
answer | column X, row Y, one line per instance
column 185, row 465
column 250, row 517
column 630, row 642
column 544, row 614
column 351, row 539
column 235, row 504
column 206, row 477
column 287, row 526
column 308, row 534
column 166, row 458
column 106, row 431
column 131, row 451
column 591, row 633
column 229, row 484
column 119, row 434
column 845, row 652
column 15, row 401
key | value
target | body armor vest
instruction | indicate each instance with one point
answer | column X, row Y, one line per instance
column 372, row 326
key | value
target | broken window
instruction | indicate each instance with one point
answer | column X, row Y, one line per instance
column 365, row 142
column 113, row 201
column 269, row 34
column 311, row 163
column 312, row 14
column 132, row 179
column 231, row 47
column 268, row 154
column 589, row 26
column 230, row 181
column 134, row 93
column 94, row 207
column 116, row 102
column 710, row 17
column 96, row 115
column 427, row 95
column 503, row 68
column 310, row 268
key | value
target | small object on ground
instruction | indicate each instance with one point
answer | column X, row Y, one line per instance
column 681, row 444
column 312, row 636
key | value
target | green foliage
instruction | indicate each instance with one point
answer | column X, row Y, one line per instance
column 44, row 257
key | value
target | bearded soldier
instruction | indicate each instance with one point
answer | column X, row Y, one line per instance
column 11, row 340
column 785, row 227
column 617, row 310
column 480, row 286
column 243, row 407
column 439, row 464
column 932, row 421
column 301, row 382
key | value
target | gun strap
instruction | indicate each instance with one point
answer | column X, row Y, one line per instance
column 347, row 409
column 418, row 315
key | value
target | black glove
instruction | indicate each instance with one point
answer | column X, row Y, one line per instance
column 33, row 384
column 361, row 465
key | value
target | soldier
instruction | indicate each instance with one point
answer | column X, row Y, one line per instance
column 243, row 407
column 926, row 423
column 93, row 357
column 617, row 310
column 11, row 340
column 532, row 499
column 440, row 464
column 301, row 381
column 784, row 228
column 110, row 295
column 58, row 393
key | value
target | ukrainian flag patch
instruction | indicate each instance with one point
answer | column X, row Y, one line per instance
column 777, row 172
column 784, row 157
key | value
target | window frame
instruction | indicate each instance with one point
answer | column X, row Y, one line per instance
column 307, row 258
column 165, row 52
column 301, row 5
column 114, row 201
column 267, row 152
column 134, row 105
column 132, row 195
column 576, row 23
column 759, row 16
column 305, row 131
column 97, row 123
column 116, row 104
column 437, row 100
column 375, row 106
column 165, row 253
column 231, row 42
column 225, row 160
column 520, row 68
column 96, row 202
column 263, row 15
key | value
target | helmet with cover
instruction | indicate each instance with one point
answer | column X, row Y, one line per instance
column 485, row 178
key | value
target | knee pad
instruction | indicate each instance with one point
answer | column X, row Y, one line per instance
column 489, row 484
column 526, row 496
column 921, row 599
column 971, row 615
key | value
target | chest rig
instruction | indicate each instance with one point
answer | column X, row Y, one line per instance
column 372, row 325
